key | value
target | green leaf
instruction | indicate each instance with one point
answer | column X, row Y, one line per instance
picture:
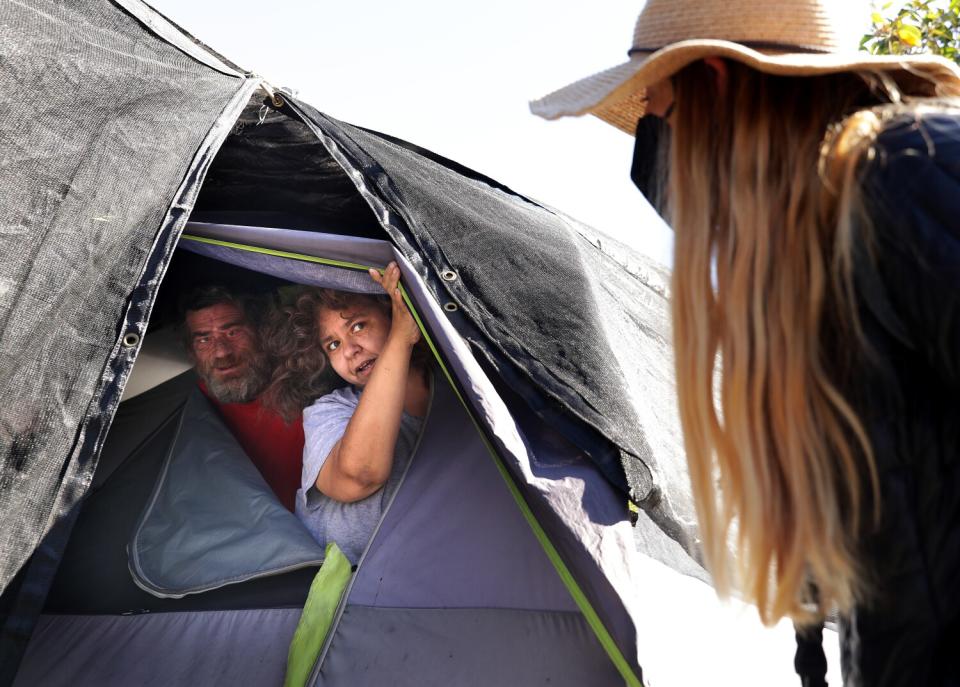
column 914, row 26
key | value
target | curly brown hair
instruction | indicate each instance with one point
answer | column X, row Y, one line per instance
column 292, row 338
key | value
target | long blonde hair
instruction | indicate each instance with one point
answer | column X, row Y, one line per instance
column 764, row 200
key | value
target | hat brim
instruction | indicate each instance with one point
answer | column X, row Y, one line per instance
column 616, row 95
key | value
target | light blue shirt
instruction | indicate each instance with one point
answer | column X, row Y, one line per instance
column 350, row 525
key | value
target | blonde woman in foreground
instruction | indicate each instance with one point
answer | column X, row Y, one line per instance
column 815, row 199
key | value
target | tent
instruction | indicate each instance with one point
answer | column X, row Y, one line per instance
column 505, row 557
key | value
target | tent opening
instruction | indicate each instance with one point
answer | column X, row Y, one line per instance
column 275, row 189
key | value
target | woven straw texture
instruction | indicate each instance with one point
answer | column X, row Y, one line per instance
column 788, row 37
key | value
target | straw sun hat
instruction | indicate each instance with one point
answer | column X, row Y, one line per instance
column 786, row 37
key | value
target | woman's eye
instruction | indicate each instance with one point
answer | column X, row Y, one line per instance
column 333, row 345
column 357, row 327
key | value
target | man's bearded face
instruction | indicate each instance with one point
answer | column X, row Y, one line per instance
column 227, row 353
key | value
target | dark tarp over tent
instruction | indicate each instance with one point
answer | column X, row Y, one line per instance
column 123, row 125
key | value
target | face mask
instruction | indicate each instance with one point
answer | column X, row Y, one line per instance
column 650, row 154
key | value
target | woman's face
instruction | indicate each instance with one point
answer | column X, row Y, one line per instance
column 352, row 339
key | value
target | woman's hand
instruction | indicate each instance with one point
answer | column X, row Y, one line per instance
column 402, row 326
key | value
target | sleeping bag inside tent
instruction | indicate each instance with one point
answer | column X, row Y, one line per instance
column 141, row 545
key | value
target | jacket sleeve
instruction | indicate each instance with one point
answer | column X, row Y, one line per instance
column 912, row 192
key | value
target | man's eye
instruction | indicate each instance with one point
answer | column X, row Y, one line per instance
column 233, row 332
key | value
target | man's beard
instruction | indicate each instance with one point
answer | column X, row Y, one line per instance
column 239, row 388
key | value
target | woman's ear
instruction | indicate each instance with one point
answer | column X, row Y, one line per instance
column 721, row 73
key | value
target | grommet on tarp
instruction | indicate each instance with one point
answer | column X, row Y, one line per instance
column 131, row 339
column 448, row 275
column 275, row 98
column 451, row 307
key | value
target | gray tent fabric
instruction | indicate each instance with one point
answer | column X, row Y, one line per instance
column 298, row 272
column 465, row 647
column 346, row 248
column 212, row 520
column 582, row 514
column 108, row 122
column 227, row 647
column 177, row 37
column 274, row 172
column 93, row 576
column 125, row 126
column 455, row 566
column 453, row 536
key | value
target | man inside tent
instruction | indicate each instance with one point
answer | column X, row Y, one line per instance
column 222, row 337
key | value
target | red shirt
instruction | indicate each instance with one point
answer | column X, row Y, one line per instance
column 274, row 446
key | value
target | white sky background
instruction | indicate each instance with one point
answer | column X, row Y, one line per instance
column 456, row 77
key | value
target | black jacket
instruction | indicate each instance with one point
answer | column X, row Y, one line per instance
column 906, row 388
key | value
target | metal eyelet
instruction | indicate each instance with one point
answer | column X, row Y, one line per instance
column 131, row 339
column 451, row 307
column 448, row 275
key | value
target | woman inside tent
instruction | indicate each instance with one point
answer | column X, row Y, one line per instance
column 814, row 196
column 360, row 437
